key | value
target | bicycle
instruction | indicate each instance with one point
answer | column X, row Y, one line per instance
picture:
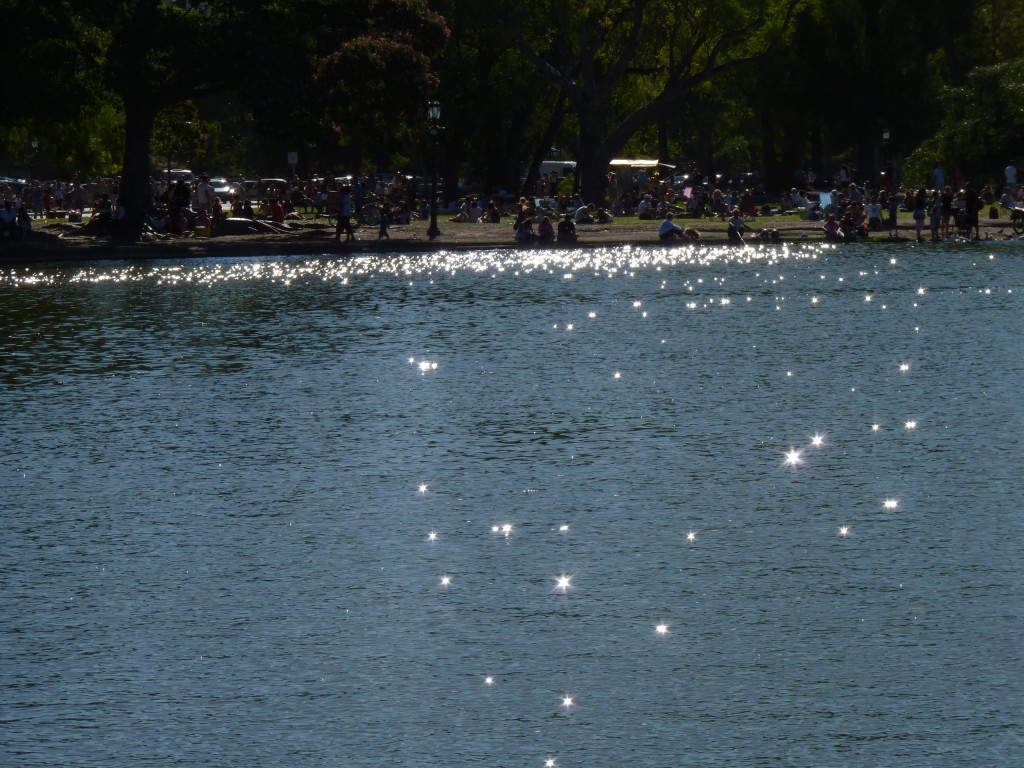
column 1017, row 220
column 370, row 214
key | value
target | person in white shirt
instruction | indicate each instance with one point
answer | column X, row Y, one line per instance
column 873, row 211
column 585, row 214
column 204, row 195
column 737, row 226
column 1011, row 177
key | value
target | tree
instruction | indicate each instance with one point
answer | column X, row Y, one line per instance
column 499, row 110
column 177, row 133
column 982, row 127
column 622, row 64
column 379, row 80
column 150, row 55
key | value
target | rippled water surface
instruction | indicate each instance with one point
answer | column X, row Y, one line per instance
column 602, row 508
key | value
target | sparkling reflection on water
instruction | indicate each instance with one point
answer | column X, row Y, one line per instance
column 648, row 507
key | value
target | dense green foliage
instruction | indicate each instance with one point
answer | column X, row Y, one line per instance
column 982, row 121
column 232, row 86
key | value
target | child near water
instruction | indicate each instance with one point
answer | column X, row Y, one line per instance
column 935, row 215
column 894, row 226
column 385, row 222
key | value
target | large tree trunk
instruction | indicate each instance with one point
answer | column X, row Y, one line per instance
column 593, row 170
column 541, row 147
column 135, row 176
column 594, row 157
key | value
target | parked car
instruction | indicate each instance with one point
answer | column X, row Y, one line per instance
column 267, row 188
column 178, row 174
column 223, row 188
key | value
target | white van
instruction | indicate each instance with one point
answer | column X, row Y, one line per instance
column 564, row 168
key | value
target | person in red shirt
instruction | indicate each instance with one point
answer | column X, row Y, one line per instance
column 276, row 210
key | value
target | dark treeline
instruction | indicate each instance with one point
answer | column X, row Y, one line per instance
column 792, row 89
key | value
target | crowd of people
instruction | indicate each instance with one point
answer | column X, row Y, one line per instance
column 182, row 207
column 940, row 211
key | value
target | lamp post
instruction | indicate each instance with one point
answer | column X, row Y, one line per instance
column 886, row 173
column 434, row 114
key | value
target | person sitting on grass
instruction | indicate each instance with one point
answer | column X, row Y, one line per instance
column 546, row 231
column 717, row 206
column 833, row 233
column 469, row 212
column 202, row 226
column 747, row 205
column 524, row 231
column 737, row 226
column 567, row 230
column 669, row 230
column 585, row 214
column 492, row 215
column 849, row 227
column 8, row 219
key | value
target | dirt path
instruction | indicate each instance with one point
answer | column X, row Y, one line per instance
column 63, row 241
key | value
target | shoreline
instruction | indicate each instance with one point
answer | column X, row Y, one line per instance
column 63, row 242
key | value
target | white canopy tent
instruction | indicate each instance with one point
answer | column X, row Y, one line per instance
column 638, row 163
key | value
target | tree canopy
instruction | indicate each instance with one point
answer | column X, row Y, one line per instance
column 622, row 65
column 778, row 85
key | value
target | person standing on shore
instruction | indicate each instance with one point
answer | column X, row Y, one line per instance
column 935, row 215
column 972, row 205
column 920, row 205
column 1011, row 177
column 873, row 211
column 204, row 195
column 946, row 201
column 345, row 217
column 894, row 212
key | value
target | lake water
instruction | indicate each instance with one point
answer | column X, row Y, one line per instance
column 605, row 508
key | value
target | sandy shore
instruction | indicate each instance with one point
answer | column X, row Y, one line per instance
column 68, row 242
